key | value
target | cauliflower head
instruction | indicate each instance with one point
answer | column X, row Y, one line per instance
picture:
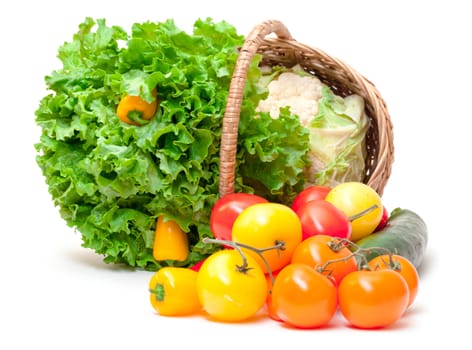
column 296, row 89
column 337, row 125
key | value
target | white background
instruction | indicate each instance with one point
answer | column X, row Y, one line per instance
column 56, row 293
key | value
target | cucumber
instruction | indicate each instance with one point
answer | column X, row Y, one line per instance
column 405, row 234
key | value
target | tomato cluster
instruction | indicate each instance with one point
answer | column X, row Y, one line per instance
column 300, row 264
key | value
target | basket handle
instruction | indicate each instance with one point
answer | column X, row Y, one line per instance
column 229, row 134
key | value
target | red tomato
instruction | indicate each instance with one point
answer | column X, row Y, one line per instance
column 315, row 251
column 226, row 209
column 196, row 267
column 373, row 299
column 383, row 221
column 320, row 217
column 309, row 194
column 303, row 297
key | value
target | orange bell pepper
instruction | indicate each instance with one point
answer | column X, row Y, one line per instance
column 170, row 242
column 135, row 104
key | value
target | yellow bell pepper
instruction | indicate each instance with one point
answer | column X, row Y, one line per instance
column 170, row 242
column 174, row 291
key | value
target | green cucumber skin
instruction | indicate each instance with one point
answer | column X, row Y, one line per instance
column 406, row 234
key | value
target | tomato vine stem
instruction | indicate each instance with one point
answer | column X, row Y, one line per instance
column 359, row 252
column 362, row 213
column 279, row 245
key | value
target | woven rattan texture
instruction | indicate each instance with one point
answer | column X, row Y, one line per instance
column 339, row 76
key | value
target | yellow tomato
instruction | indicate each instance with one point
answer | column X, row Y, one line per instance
column 229, row 292
column 352, row 198
column 174, row 291
column 264, row 225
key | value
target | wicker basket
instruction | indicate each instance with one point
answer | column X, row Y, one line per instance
column 341, row 78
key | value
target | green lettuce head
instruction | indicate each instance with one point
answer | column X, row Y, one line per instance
column 111, row 180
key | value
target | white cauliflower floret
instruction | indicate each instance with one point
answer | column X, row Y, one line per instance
column 336, row 125
column 300, row 92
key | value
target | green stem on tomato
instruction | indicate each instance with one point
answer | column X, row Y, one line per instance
column 362, row 213
column 338, row 244
column 279, row 245
column 323, row 267
column 358, row 252
column 394, row 265
column 244, row 267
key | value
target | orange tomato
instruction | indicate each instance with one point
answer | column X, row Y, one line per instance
column 316, row 250
column 373, row 299
column 269, row 304
column 303, row 297
column 128, row 104
column 401, row 265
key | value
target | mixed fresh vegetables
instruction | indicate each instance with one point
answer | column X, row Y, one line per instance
column 130, row 153
column 294, row 265
column 132, row 124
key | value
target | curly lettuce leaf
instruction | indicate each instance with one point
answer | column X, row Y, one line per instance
column 275, row 155
column 111, row 180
